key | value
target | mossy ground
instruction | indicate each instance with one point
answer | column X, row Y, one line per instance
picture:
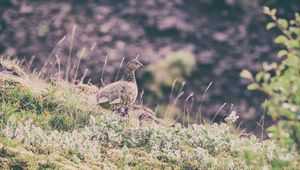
column 58, row 125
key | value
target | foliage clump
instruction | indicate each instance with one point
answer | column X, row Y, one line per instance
column 159, row 76
column 280, row 81
column 56, row 105
column 107, row 140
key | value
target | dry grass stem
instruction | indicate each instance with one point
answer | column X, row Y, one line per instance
column 120, row 66
column 199, row 111
column 70, row 53
column 170, row 96
column 50, row 55
column 174, row 103
column 58, row 65
column 78, row 63
column 84, row 75
column 141, row 97
column 218, row 112
column 137, row 56
column 187, row 108
column 102, row 73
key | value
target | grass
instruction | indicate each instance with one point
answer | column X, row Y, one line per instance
column 58, row 125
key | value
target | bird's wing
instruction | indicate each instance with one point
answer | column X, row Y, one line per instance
column 108, row 94
column 102, row 100
column 118, row 92
column 111, row 87
column 116, row 101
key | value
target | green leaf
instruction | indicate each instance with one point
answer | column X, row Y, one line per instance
column 266, row 10
column 282, row 53
column 294, row 44
column 267, row 76
column 259, row 76
column 283, row 22
column 270, row 25
column 246, row 74
column 287, row 33
column 252, row 86
column 273, row 12
column 281, row 39
column 295, row 30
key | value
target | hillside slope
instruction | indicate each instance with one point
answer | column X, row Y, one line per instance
column 57, row 125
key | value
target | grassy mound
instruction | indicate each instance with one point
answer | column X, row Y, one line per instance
column 57, row 125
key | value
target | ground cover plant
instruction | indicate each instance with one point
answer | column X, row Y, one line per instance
column 53, row 121
column 57, row 125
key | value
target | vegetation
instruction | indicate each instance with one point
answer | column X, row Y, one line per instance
column 280, row 81
column 223, row 37
column 58, row 125
column 159, row 76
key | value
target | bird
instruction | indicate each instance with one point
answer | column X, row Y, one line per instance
column 119, row 95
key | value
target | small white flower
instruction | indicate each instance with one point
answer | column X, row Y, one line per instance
column 232, row 117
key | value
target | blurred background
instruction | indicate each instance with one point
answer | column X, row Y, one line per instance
column 192, row 41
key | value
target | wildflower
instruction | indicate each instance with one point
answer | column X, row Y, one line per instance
column 232, row 117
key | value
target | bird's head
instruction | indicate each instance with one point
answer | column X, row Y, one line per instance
column 133, row 65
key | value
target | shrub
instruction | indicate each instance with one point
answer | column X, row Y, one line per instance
column 159, row 76
column 280, row 81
